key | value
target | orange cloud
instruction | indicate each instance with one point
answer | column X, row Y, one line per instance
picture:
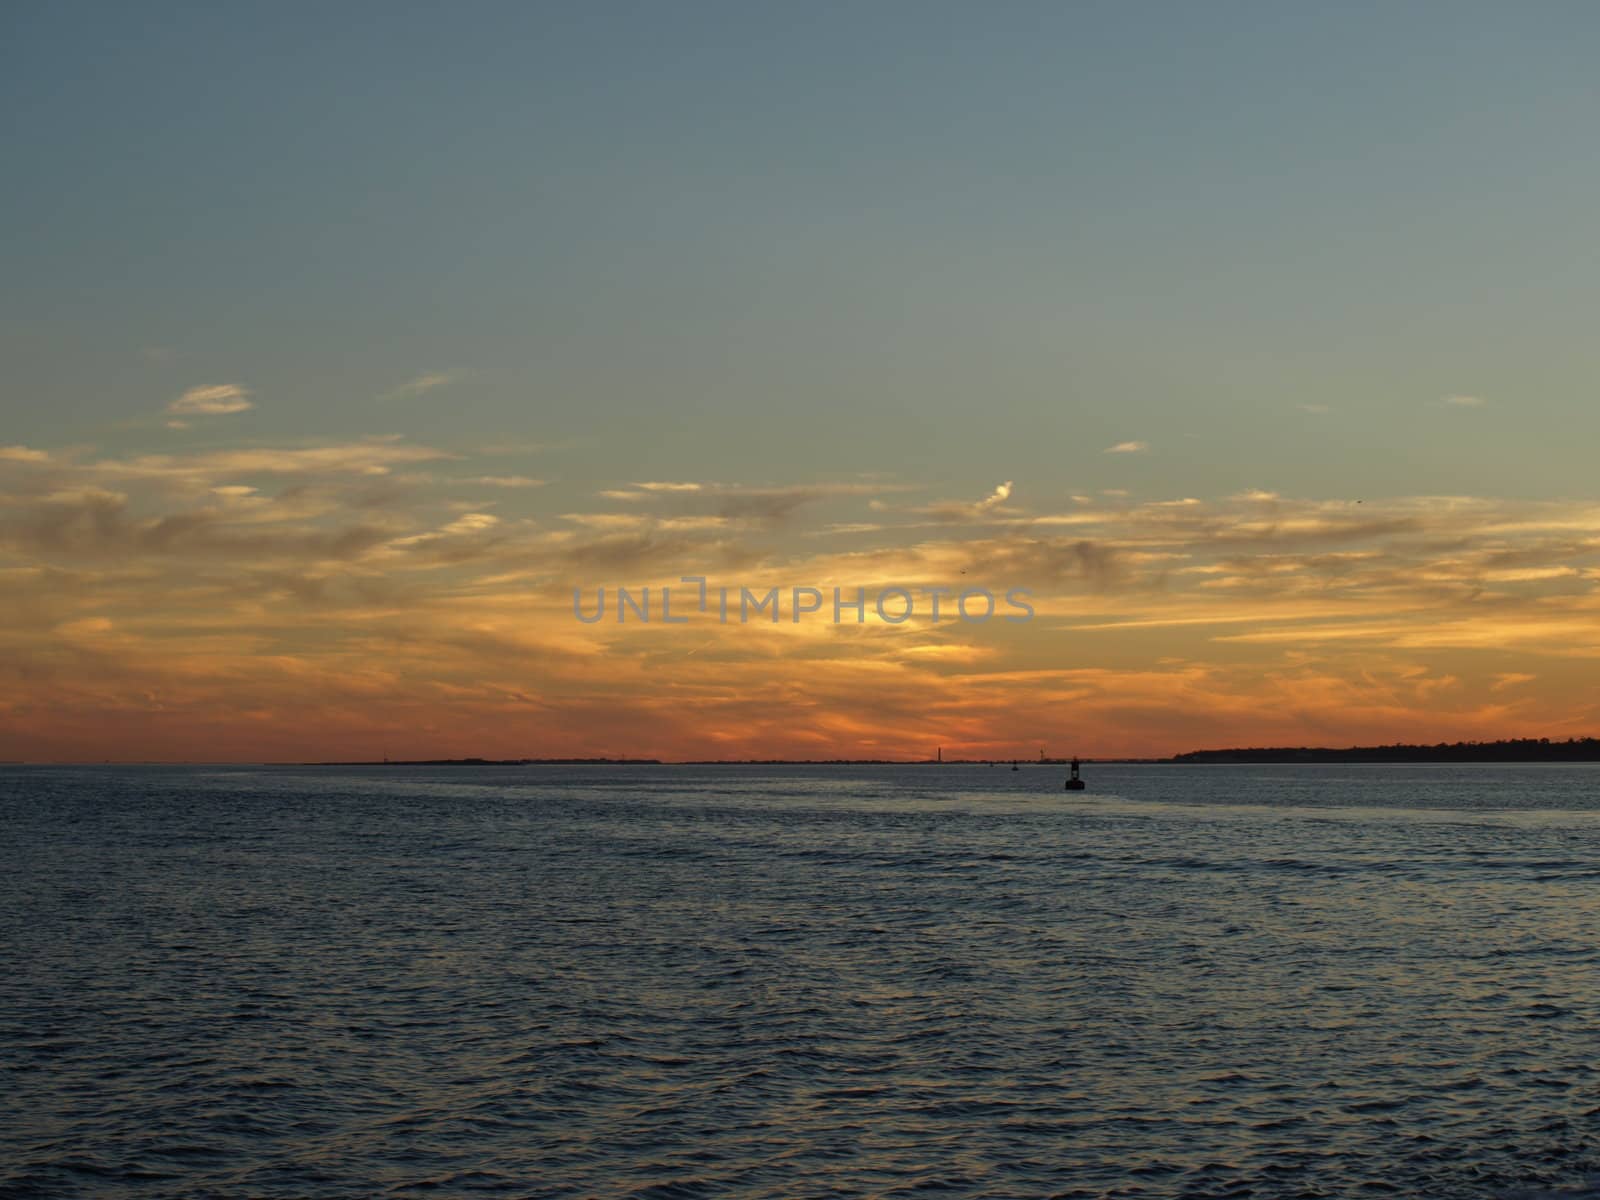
column 308, row 602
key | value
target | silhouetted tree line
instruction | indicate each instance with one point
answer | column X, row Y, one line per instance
column 1510, row 750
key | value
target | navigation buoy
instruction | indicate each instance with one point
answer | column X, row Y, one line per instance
column 1074, row 784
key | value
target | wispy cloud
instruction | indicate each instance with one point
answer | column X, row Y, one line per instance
column 211, row 400
column 1128, row 448
column 772, row 504
column 503, row 449
column 1463, row 402
column 421, row 385
column 23, row 454
column 507, row 481
column 1314, row 408
column 1509, row 679
column 993, row 504
column 360, row 458
column 999, row 496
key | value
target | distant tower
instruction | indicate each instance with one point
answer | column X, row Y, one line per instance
column 941, row 754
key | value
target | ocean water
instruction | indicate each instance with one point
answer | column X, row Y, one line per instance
column 800, row 982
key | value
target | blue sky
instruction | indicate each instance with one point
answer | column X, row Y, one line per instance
column 953, row 243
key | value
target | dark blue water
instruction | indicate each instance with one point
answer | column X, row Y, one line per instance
column 788, row 982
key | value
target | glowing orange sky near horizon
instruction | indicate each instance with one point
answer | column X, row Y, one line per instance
column 377, row 597
column 1259, row 350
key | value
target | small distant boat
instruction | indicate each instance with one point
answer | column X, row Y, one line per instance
column 1074, row 783
column 1014, row 767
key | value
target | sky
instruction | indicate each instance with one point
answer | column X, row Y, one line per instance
column 340, row 345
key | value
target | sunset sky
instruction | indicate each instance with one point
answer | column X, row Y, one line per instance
column 339, row 345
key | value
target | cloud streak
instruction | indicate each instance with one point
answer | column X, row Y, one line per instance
column 211, row 400
column 507, row 481
column 421, row 385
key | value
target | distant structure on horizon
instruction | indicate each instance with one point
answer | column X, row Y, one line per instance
column 1508, row 750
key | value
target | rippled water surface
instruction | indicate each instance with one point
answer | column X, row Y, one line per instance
column 799, row 982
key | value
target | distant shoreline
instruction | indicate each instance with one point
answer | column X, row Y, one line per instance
column 1504, row 751
column 1515, row 750
column 1531, row 750
column 1509, row 750
column 721, row 762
